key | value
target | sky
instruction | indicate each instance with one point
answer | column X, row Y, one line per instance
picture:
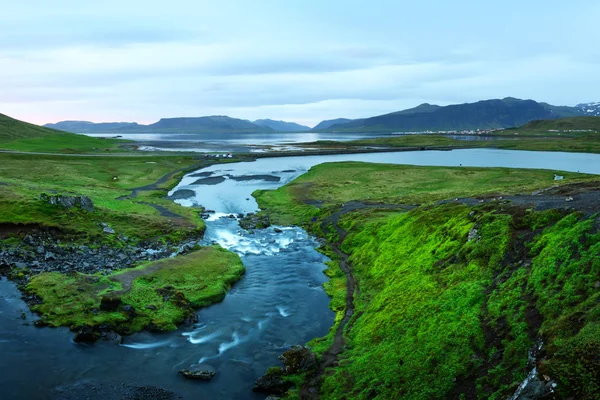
column 294, row 60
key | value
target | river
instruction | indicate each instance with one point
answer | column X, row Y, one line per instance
column 278, row 303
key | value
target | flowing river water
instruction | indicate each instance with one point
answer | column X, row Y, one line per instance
column 277, row 304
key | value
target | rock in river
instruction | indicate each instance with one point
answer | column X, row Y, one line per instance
column 198, row 372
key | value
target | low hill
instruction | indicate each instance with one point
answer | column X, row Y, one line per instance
column 281, row 126
column 19, row 136
column 485, row 114
column 564, row 124
column 330, row 122
column 90, row 127
column 12, row 129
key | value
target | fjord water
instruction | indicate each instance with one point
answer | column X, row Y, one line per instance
column 278, row 303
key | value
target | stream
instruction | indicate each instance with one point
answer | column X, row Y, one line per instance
column 277, row 304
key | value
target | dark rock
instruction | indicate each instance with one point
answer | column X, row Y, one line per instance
column 198, row 372
column 110, row 303
column 129, row 311
column 86, row 204
column 151, row 307
column 277, row 230
column 272, row 382
column 86, row 334
column 255, row 221
column 298, row 359
column 112, row 336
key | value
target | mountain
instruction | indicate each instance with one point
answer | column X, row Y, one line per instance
column 90, row 127
column 591, row 109
column 211, row 124
column 330, row 122
column 11, row 129
column 281, row 126
column 422, row 108
column 485, row 114
column 215, row 123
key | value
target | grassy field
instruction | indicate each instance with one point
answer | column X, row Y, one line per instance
column 163, row 293
column 104, row 180
column 335, row 183
column 453, row 297
column 508, row 140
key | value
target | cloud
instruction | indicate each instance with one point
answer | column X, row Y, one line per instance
column 298, row 60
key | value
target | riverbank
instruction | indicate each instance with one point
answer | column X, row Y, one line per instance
column 450, row 298
column 69, row 226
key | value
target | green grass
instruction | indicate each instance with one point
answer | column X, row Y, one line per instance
column 335, row 183
column 438, row 316
column 25, row 177
column 163, row 293
column 17, row 135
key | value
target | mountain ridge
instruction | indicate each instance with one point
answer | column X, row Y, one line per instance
column 484, row 114
column 281, row 126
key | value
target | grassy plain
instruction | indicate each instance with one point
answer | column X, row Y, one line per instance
column 329, row 184
column 453, row 297
column 163, row 293
column 104, row 179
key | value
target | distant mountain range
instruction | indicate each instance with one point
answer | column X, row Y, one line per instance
column 591, row 109
column 281, row 126
column 330, row 122
column 485, row 114
column 211, row 124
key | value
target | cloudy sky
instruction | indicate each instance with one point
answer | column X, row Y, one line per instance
column 298, row 60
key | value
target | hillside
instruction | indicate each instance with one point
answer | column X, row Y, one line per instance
column 486, row 114
column 330, row 122
column 564, row 124
column 281, row 126
column 12, row 129
column 22, row 136
column 209, row 124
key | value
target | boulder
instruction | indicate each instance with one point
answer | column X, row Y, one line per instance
column 110, row 303
column 298, row 359
column 86, row 334
column 272, row 382
column 86, row 204
column 198, row 372
column 129, row 311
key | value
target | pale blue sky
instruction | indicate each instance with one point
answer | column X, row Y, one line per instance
column 295, row 60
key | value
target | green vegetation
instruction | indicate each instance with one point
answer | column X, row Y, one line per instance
column 163, row 293
column 104, row 180
column 563, row 124
column 17, row 135
column 334, row 183
column 452, row 297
